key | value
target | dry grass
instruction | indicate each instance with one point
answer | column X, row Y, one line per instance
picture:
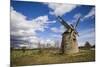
column 32, row 57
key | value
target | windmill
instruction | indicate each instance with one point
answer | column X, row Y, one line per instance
column 69, row 41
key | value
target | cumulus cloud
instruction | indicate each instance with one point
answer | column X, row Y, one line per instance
column 60, row 9
column 24, row 31
column 54, row 29
column 58, row 30
column 90, row 14
column 21, row 26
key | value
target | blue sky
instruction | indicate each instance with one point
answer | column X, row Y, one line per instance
column 36, row 21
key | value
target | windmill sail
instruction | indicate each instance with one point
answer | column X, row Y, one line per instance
column 77, row 22
column 63, row 22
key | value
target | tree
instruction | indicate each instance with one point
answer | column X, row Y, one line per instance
column 93, row 46
column 39, row 47
column 56, row 44
column 23, row 49
column 87, row 45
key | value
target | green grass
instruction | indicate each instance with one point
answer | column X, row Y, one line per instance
column 32, row 57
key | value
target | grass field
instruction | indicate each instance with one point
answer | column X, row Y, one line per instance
column 33, row 57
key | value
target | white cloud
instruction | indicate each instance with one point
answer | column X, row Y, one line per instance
column 77, row 15
column 58, row 30
column 75, row 18
column 60, row 9
column 90, row 14
column 25, row 30
column 54, row 29
column 20, row 25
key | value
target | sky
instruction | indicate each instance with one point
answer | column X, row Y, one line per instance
column 36, row 22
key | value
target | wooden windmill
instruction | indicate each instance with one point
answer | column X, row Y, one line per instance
column 69, row 42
